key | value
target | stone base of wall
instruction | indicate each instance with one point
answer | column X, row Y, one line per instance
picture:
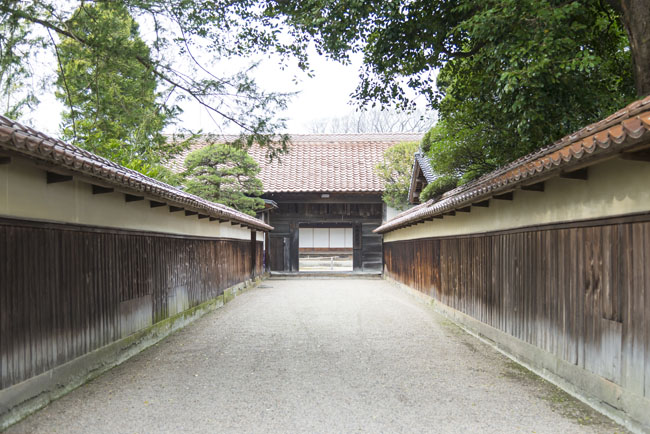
column 624, row 407
column 22, row 399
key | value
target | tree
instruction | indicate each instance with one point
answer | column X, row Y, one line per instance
column 114, row 107
column 16, row 97
column 180, row 29
column 395, row 171
column 635, row 16
column 225, row 174
column 376, row 121
column 403, row 43
column 514, row 74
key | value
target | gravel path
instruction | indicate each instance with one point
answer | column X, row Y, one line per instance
column 319, row 356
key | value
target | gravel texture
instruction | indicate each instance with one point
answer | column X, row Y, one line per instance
column 319, row 356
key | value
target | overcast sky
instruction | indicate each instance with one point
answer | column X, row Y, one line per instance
column 325, row 95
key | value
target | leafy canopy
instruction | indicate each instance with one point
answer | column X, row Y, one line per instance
column 395, row 171
column 178, row 31
column 113, row 106
column 514, row 75
column 225, row 174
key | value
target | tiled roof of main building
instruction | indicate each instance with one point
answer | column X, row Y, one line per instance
column 323, row 162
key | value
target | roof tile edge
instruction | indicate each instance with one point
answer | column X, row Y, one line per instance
column 26, row 141
column 611, row 135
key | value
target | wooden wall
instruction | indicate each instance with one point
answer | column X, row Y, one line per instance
column 67, row 290
column 581, row 293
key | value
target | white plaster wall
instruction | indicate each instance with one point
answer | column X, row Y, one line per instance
column 24, row 193
column 391, row 212
column 615, row 187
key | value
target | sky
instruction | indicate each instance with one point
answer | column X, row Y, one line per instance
column 325, row 95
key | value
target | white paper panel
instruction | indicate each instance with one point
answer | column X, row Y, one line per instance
column 348, row 238
column 337, row 237
column 321, row 237
column 306, row 237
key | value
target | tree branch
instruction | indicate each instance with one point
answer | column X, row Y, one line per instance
column 144, row 62
column 65, row 85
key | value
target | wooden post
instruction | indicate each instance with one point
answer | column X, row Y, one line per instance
column 294, row 247
column 357, row 246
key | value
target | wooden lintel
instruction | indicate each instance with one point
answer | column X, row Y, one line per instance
column 465, row 209
column 581, row 174
column 156, row 204
column 504, row 196
column 533, row 187
column 203, row 216
column 643, row 155
column 5, row 159
column 482, row 204
column 175, row 208
column 132, row 198
column 53, row 178
column 189, row 213
column 98, row 189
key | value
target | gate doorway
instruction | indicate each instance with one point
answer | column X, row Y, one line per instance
column 325, row 248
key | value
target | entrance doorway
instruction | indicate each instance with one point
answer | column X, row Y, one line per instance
column 326, row 249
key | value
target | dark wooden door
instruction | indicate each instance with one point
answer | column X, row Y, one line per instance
column 279, row 247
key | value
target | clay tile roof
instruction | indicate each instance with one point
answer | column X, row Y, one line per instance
column 620, row 132
column 16, row 138
column 425, row 166
column 324, row 162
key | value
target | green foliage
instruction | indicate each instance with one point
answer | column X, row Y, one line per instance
column 545, row 69
column 113, row 107
column 191, row 43
column 395, row 171
column 226, row 174
column 16, row 41
column 514, row 75
column 440, row 185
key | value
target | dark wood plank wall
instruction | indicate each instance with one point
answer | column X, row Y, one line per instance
column 67, row 291
column 581, row 293
column 363, row 217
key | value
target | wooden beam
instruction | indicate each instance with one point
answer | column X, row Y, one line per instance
column 482, row 204
column 234, row 223
column 504, row 196
column 98, row 189
column 643, row 155
column 132, row 198
column 581, row 174
column 4, row 159
column 438, row 216
column 156, row 204
column 213, row 219
column 203, row 216
column 175, row 208
column 452, row 213
column 533, row 187
column 53, row 178
column 465, row 209
column 189, row 213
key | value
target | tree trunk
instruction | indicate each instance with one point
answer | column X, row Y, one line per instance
column 635, row 15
